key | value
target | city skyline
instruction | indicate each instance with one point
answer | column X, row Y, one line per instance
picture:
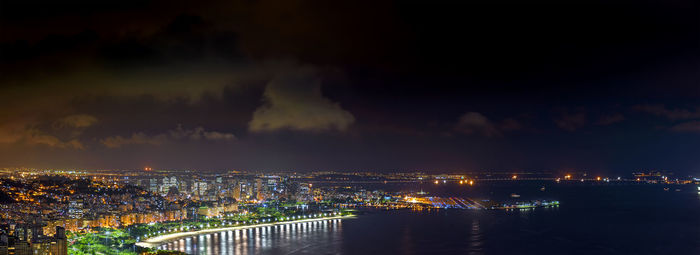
column 604, row 88
column 131, row 127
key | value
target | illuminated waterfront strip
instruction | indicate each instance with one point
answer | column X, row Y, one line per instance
column 158, row 240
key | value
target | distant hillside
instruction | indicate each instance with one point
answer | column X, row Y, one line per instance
column 5, row 199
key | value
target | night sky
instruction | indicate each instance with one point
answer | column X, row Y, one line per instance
column 607, row 87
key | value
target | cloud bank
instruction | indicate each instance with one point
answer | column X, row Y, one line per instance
column 477, row 123
column 177, row 134
column 293, row 101
column 76, row 121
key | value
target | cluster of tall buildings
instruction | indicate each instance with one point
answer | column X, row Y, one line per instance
column 28, row 239
column 214, row 188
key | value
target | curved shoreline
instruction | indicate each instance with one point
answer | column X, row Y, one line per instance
column 158, row 240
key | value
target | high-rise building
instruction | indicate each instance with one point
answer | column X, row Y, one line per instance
column 237, row 191
column 182, row 186
column 75, row 209
column 17, row 244
column 243, row 190
column 199, row 188
column 168, row 183
column 259, row 190
column 18, row 247
column 153, row 187
column 249, row 189
column 61, row 241
column 165, row 187
column 56, row 245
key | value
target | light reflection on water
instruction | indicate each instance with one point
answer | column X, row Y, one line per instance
column 261, row 240
column 475, row 239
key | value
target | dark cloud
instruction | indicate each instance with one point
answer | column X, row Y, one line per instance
column 76, row 121
column 293, row 100
column 510, row 124
column 610, row 119
column 690, row 126
column 571, row 121
column 477, row 123
column 37, row 137
column 672, row 114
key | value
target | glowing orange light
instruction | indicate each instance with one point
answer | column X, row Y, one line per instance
column 598, row 178
column 471, row 182
column 514, row 177
column 436, row 182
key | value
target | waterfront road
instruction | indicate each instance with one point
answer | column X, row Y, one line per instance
column 158, row 240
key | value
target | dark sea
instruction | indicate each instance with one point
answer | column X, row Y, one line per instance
column 592, row 219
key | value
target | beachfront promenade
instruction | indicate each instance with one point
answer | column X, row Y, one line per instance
column 158, row 240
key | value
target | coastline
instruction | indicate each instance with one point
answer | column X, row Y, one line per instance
column 158, row 240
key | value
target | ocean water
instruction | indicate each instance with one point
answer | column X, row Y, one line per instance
column 592, row 219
